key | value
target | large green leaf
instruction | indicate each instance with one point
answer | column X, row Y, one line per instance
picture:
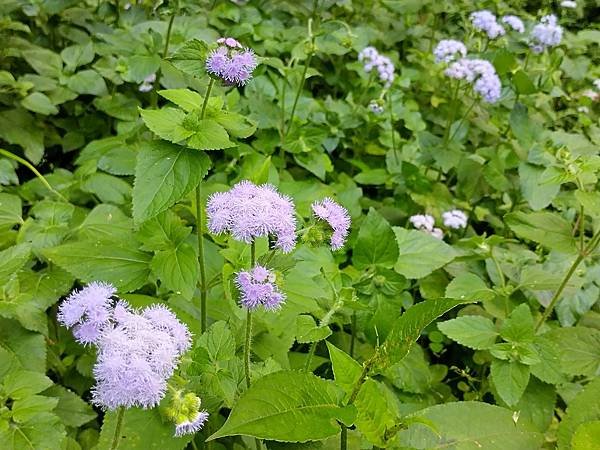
column 546, row 228
column 377, row 410
column 475, row 332
column 468, row 426
column 165, row 173
column 288, row 406
column 376, row 243
column 177, row 268
column 538, row 191
column 468, row 286
column 10, row 211
column 12, row 259
column 120, row 263
column 578, row 349
column 584, row 408
column 408, row 328
column 22, row 348
column 420, row 253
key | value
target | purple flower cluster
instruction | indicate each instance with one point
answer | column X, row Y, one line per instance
column 137, row 350
column 376, row 107
column 479, row 72
column 337, row 217
column 545, row 34
column 486, row 21
column 455, row 219
column 191, row 426
column 448, row 50
column 231, row 62
column 426, row 223
column 514, row 22
column 371, row 59
column 148, row 83
column 257, row 288
column 248, row 211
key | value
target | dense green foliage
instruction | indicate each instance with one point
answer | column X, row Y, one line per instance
column 488, row 338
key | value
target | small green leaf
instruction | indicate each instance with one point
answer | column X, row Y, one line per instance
column 71, row 409
column 39, row 103
column 578, row 349
column 22, row 384
column 87, row 82
column 475, row 332
column 301, row 407
column 376, row 243
column 510, row 379
column 523, row 83
column 420, row 253
column 44, row 62
column 12, row 259
column 519, row 325
column 10, row 210
column 190, row 57
column 184, row 98
column 538, row 191
column 346, row 370
column 308, row 331
column 377, row 410
column 468, row 286
column 78, row 55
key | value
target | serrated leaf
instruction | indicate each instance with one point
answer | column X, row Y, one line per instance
column 546, row 228
column 376, row 243
column 468, row 286
column 475, row 332
column 466, row 426
column 300, row 407
column 119, row 263
column 184, row 98
column 41, row 431
column 308, row 331
column 87, row 82
column 27, row 350
column 177, row 268
column 165, row 174
column 510, row 379
column 71, row 409
column 12, row 259
column 408, row 328
column 190, row 57
column 538, row 191
column 25, row 383
column 10, row 210
column 209, row 135
column 419, row 253
column 578, row 349
column 346, row 370
column 584, row 408
column 519, row 325
column 377, row 412
column 166, row 123
column 236, row 124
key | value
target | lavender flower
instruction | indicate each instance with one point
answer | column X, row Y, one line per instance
column 486, row 21
column 373, row 60
column 376, row 107
column 479, row 72
column 514, row 22
column 436, row 233
column 422, row 221
column 592, row 95
column 248, row 211
column 448, row 49
column 337, row 217
column 257, row 288
column 231, row 62
column 455, row 219
column 88, row 311
column 191, row 427
column 597, row 83
column 568, row 4
column 148, row 83
column 545, row 34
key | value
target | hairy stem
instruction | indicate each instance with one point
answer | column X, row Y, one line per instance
column 34, row 170
column 117, row 435
column 248, row 341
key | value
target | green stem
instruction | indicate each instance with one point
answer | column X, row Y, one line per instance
column 311, row 353
column 390, row 107
column 498, row 269
column 463, row 119
column 206, row 97
column 297, row 97
column 563, row 284
column 452, row 113
column 352, row 331
column 117, row 435
column 344, row 438
column 34, row 170
column 248, row 340
column 169, row 29
column 363, row 376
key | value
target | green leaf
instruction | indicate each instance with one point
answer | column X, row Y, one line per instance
column 346, row 370
column 209, row 135
column 163, row 232
column 236, row 124
column 308, row 331
column 142, row 429
column 409, row 327
column 12, row 259
column 107, row 188
column 536, row 407
column 475, row 332
column 178, row 269
column 119, row 263
column 190, row 57
column 29, row 407
column 44, row 62
column 27, row 350
column 377, row 412
column 519, row 325
column 590, row 201
column 165, row 174
column 546, row 228
column 525, row 130
column 538, row 191
column 584, row 408
column 376, row 243
column 42, row 431
column 184, row 98
column 39, row 103
column 166, row 123
column 71, row 409
column 17, row 126
column 22, row 384
column 586, row 436
column 87, row 82
column 468, row 286
column 510, row 379
column 78, row 55
column 419, row 253
column 10, row 210
column 119, row 106
column 466, row 426
column 578, row 349
column 301, row 407
column 523, row 83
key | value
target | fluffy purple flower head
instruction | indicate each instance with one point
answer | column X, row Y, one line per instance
column 371, row 59
column 337, row 217
column 448, row 50
column 486, row 21
column 258, row 288
column 514, row 22
column 422, row 221
column 545, row 34
column 137, row 353
column 479, row 72
column 88, row 311
column 191, row 426
column 455, row 219
column 231, row 62
column 248, row 211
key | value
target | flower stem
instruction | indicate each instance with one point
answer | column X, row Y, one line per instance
column 452, row 113
column 390, row 107
column 462, row 119
column 34, row 170
column 201, row 258
column 353, row 332
column 344, row 438
column 117, row 435
column 311, row 353
column 248, row 341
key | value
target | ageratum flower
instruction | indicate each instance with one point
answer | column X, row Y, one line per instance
column 422, row 221
column 248, row 211
column 376, row 107
column 257, row 288
column 148, row 83
column 231, row 62
column 596, row 83
column 337, row 217
column 514, row 22
column 191, row 427
column 371, row 59
column 479, row 72
column 486, row 21
column 137, row 353
column 448, row 50
column 568, row 4
column 455, row 219
column 545, row 34
column 88, row 311
column 185, row 411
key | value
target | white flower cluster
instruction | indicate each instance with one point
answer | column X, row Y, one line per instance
column 371, row 59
